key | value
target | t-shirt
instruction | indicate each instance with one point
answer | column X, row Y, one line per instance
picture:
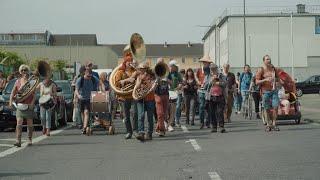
column 162, row 88
column 245, row 80
column 191, row 90
column 176, row 79
column 230, row 79
column 87, row 86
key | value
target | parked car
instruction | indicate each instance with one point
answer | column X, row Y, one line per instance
column 67, row 93
column 8, row 114
column 309, row 86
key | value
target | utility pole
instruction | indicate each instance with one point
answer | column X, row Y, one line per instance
column 292, row 52
column 244, row 32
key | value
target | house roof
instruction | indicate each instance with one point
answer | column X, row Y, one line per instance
column 74, row 39
column 159, row 50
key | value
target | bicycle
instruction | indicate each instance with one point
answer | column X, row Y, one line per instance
column 247, row 109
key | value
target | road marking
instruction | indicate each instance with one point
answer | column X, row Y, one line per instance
column 35, row 140
column 315, row 124
column 184, row 129
column 214, row 176
column 6, row 145
column 194, row 144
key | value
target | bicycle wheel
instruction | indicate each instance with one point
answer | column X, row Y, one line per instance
column 250, row 109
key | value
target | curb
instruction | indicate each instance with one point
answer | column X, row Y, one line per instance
column 312, row 121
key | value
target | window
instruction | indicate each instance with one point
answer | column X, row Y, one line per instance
column 194, row 60
column 183, row 60
column 317, row 79
column 317, row 25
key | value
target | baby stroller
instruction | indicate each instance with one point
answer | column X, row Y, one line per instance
column 100, row 115
column 294, row 104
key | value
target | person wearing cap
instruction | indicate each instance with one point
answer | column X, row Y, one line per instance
column 27, row 114
column 230, row 79
column 147, row 104
column 162, row 102
column 124, row 76
column 203, row 75
column 216, row 88
column 89, row 65
column 175, row 82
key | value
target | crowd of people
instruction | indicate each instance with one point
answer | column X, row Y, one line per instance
column 211, row 92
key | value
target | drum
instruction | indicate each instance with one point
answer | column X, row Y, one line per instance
column 46, row 101
column 173, row 96
column 99, row 101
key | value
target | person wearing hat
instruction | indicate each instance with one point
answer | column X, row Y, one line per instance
column 28, row 113
column 216, row 88
column 203, row 75
column 175, row 82
column 147, row 104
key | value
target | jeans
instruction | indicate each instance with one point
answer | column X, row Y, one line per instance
column 190, row 101
column 127, row 106
column 238, row 101
column 134, row 114
column 270, row 99
column 45, row 116
column 202, row 106
column 256, row 97
column 162, row 103
column 245, row 96
column 178, row 108
column 143, row 106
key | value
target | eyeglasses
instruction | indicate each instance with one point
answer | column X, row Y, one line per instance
column 269, row 59
column 24, row 70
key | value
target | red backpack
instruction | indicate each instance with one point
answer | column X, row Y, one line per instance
column 216, row 91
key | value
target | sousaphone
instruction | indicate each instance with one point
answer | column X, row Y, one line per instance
column 29, row 87
column 138, row 52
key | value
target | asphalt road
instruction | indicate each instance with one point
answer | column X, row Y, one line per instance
column 245, row 152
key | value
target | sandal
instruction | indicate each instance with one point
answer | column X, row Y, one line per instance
column 268, row 129
column 275, row 128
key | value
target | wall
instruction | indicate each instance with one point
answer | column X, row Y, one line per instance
column 102, row 56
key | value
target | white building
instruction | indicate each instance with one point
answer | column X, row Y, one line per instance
column 268, row 33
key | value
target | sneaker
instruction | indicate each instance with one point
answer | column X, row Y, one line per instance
column 275, row 128
column 84, row 131
column 140, row 137
column 128, row 136
column 222, row 130
column 17, row 144
column 178, row 125
column 258, row 116
column 170, row 129
column 214, row 130
column 161, row 134
column 148, row 137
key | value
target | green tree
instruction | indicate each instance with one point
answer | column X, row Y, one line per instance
column 11, row 59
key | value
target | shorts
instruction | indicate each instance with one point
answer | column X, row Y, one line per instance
column 270, row 99
column 84, row 105
column 27, row 114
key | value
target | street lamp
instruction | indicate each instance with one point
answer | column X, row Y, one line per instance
column 244, row 32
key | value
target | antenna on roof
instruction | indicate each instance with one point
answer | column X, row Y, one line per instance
column 189, row 44
column 165, row 44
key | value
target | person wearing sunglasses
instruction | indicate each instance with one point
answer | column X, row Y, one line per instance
column 23, row 114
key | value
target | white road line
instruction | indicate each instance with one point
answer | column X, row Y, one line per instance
column 6, row 145
column 35, row 140
column 184, row 129
column 194, row 144
column 214, row 176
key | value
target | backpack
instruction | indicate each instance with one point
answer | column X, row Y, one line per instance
column 93, row 82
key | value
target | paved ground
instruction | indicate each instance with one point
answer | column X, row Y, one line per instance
column 245, row 152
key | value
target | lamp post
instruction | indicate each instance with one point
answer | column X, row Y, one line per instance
column 292, row 52
column 244, row 32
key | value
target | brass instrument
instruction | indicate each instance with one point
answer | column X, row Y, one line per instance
column 137, row 49
column 29, row 87
column 160, row 70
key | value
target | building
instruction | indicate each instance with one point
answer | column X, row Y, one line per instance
column 187, row 55
column 69, row 47
column 268, row 33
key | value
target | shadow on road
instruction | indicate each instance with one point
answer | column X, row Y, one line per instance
column 10, row 174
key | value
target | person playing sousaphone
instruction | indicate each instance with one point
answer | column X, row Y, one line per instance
column 126, row 76
column 25, row 108
column 47, row 89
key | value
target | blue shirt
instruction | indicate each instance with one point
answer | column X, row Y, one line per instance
column 245, row 80
column 87, row 86
column 95, row 74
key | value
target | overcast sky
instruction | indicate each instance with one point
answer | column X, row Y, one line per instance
column 174, row 21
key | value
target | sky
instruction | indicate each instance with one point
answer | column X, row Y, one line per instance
column 113, row 21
